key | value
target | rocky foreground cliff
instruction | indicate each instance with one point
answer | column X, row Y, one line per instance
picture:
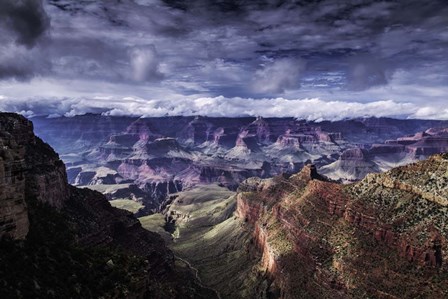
column 384, row 237
column 57, row 241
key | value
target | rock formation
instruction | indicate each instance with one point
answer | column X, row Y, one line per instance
column 352, row 165
column 384, row 237
column 57, row 241
column 14, row 133
column 355, row 163
column 28, row 169
column 153, row 153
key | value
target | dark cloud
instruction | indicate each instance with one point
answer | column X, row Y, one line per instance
column 22, row 24
column 20, row 63
column 17, row 69
column 26, row 19
column 364, row 49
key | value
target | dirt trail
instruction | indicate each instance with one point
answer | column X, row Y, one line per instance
column 196, row 272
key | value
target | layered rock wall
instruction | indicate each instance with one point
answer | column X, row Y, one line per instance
column 29, row 168
column 14, row 133
column 328, row 231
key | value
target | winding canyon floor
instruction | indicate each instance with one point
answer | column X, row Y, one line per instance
column 209, row 237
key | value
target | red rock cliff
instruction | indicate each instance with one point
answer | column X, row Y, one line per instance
column 377, row 238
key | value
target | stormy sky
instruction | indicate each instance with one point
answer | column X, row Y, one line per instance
column 310, row 59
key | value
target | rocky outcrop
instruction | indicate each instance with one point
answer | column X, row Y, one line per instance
column 259, row 128
column 13, row 210
column 46, row 179
column 321, row 239
column 248, row 141
column 288, row 140
column 353, row 164
column 353, row 154
column 29, row 168
column 420, row 144
column 118, row 147
column 198, row 131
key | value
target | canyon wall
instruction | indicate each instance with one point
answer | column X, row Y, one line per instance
column 321, row 239
column 29, row 168
column 14, row 135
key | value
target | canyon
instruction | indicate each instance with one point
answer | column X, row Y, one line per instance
column 211, row 224
column 230, row 149
column 57, row 241
column 145, row 160
column 305, row 236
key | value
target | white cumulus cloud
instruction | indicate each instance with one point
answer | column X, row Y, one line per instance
column 308, row 108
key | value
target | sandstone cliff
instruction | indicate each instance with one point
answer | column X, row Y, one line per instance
column 384, row 237
column 29, row 168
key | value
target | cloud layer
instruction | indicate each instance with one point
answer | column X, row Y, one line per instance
column 310, row 109
column 352, row 52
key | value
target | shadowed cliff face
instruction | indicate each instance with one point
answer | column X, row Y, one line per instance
column 383, row 237
column 14, row 217
column 29, row 168
column 58, row 241
column 150, row 158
